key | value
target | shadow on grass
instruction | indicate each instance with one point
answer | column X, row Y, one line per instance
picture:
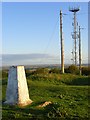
column 16, row 112
column 52, row 111
column 49, row 111
column 78, row 81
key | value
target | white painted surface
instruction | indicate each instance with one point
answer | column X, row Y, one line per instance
column 17, row 89
column 23, row 97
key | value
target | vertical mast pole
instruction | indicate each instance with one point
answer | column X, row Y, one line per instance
column 62, row 44
column 79, row 50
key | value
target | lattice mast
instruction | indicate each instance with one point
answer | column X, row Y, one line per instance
column 74, row 34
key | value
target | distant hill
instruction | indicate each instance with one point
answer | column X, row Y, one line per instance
column 42, row 66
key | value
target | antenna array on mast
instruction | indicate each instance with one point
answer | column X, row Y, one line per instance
column 74, row 34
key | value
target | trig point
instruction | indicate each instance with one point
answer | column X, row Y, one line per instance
column 17, row 89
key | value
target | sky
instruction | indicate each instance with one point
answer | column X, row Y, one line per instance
column 44, row 0
column 30, row 32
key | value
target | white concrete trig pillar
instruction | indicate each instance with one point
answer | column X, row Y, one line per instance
column 17, row 89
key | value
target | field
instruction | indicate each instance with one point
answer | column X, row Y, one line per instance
column 67, row 92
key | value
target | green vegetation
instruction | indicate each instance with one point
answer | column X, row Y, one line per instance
column 72, row 69
column 86, row 70
column 67, row 92
column 75, row 70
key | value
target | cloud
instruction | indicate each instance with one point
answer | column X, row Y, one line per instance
column 28, row 59
column 32, row 59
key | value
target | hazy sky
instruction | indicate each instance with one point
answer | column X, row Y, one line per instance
column 33, row 28
column 45, row 0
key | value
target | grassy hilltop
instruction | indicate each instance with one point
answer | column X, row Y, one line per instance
column 67, row 92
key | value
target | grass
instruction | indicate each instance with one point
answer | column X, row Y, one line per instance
column 68, row 94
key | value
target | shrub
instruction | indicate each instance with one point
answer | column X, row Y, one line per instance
column 66, row 70
column 55, row 70
column 42, row 71
column 4, row 73
column 72, row 69
column 85, row 70
column 27, row 73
